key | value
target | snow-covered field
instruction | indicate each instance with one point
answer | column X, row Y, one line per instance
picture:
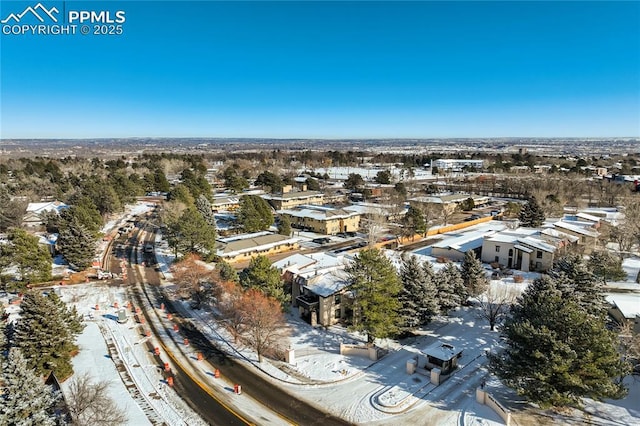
column 140, row 382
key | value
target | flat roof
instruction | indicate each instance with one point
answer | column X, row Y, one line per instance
column 325, row 285
column 319, row 213
column 263, row 242
column 628, row 303
column 575, row 228
column 292, row 195
column 465, row 242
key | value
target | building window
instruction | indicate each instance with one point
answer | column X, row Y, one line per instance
column 337, row 299
column 510, row 252
column 497, row 259
column 539, row 255
column 336, row 315
column 497, row 249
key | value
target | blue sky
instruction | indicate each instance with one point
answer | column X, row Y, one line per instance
column 329, row 70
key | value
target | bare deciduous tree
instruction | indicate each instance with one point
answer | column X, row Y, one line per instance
column 189, row 274
column 629, row 342
column 229, row 301
column 264, row 321
column 89, row 403
column 495, row 303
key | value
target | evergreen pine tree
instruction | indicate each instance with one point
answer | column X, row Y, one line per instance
column 473, row 275
column 254, row 214
column 76, row 244
column 417, row 297
column 262, row 275
column 375, row 285
column 31, row 259
column 412, row 276
column 576, row 282
column 451, row 289
column 45, row 334
column 431, row 307
column 531, row 214
column 606, row 266
column 190, row 233
column 204, row 207
column 284, row 226
column 556, row 353
column 24, row 398
column 227, row 272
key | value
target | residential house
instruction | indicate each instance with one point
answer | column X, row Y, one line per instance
column 521, row 249
column 449, row 202
column 322, row 220
column 454, row 246
column 387, row 212
column 625, row 309
column 246, row 246
column 318, row 286
column 35, row 211
column 585, row 231
column 288, row 198
column 227, row 203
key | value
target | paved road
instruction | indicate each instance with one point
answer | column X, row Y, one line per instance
column 211, row 410
column 252, row 381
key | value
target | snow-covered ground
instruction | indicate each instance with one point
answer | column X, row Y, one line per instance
column 124, row 348
column 94, row 360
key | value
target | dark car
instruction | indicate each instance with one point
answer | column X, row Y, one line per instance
column 321, row 240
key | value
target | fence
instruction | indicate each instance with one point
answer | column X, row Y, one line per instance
column 487, row 399
column 370, row 352
column 435, row 231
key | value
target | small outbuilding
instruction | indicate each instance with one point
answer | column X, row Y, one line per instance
column 443, row 356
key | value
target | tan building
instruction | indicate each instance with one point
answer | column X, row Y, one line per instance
column 230, row 203
column 318, row 285
column 322, row 220
column 243, row 247
column 449, row 202
column 584, row 231
column 288, row 198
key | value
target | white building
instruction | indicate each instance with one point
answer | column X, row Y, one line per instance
column 456, row 165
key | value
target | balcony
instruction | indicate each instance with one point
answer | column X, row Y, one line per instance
column 307, row 301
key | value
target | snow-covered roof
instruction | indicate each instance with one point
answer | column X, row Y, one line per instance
column 325, row 285
column 294, row 195
column 319, row 213
column 308, row 264
column 261, row 242
column 372, row 208
column 558, row 234
column 511, row 236
column 221, row 201
column 575, row 228
column 39, row 208
column 588, row 217
column 537, row 243
column 442, row 351
column 627, row 303
column 464, row 242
